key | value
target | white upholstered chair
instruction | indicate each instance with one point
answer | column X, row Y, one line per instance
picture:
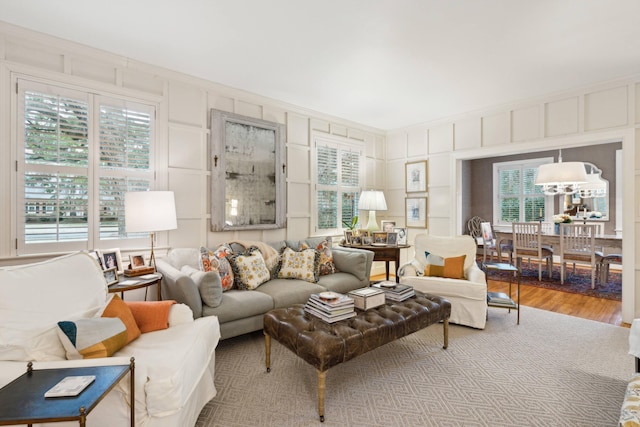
column 468, row 295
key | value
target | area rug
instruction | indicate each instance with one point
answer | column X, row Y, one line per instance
column 551, row 370
column 579, row 283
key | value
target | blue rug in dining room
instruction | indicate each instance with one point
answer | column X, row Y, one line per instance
column 579, row 283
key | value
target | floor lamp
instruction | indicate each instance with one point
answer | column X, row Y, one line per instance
column 150, row 212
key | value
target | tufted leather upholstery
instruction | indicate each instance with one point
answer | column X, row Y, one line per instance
column 324, row 345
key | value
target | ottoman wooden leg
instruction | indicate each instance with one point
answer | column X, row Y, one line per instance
column 321, row 377
column 446, row 333
column 267, row 351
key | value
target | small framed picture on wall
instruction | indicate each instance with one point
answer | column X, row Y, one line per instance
column 416, row 212
column 416, row 176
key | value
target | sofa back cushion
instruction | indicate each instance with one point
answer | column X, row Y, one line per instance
column 34, row 297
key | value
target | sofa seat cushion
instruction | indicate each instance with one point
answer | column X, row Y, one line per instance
column 237, row 304
column 446, row 287
column 340, row 282
column 160, row 358
column 286, row 292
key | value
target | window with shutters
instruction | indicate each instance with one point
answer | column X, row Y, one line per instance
column 516, row 197
column 338, row 167
column 78, row 153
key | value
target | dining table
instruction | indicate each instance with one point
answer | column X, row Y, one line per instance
column 610, row 241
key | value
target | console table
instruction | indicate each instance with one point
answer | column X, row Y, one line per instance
column 22, row 401
column 384, row 253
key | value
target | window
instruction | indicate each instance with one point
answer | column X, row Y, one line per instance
column 78, row 153
column 338, row 177
column 516, row 197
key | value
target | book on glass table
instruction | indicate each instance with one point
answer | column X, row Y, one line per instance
column 500, row 298
column 70, row 386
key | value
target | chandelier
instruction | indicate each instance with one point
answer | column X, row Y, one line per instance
column 561, row 178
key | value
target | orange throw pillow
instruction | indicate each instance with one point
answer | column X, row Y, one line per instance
column 151, row 315
column 118, row 308
column 452, row 268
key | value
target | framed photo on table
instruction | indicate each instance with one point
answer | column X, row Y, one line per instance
column 387, row 226
column 379, row 238
column 111, row 258
column 392, row 238
column 416, row 212
column 136, row 261
column 111, row 276
column 416, row 176
column 402, row 235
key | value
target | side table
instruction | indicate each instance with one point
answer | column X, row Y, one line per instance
column 384, row 253
column 499, row 299
column 22, row 401
column 131, row 283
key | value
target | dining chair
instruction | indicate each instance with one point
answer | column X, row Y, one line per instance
column 489, row 244
column 577, row 244
column 527, row 243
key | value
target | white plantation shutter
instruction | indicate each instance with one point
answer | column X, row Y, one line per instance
column 66, row 200
column 517, row 197
column 338, row 167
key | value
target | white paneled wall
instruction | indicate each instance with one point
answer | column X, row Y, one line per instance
column 182, row 145
column 600, row 113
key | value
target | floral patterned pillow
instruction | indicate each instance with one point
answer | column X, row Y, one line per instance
column 249, row 269
column 299, row 265
column 218, row 260
column 325, row 264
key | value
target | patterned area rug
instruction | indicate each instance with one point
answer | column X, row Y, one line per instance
column 579, row 283
column 551, row 370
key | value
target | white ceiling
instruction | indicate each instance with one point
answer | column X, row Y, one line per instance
column 383, row 63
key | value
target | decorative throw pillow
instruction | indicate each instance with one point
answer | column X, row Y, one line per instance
column 208, row 283
column 299, row 265
column 92, row 338
column 117, row 308
column 249, row 269
column 325, row 263
column 151, row 315
column 218, row 260
column 452, row 268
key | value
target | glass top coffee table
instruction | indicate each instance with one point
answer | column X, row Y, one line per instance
column 22, row 401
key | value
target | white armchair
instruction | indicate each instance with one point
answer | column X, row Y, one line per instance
column 468, row 296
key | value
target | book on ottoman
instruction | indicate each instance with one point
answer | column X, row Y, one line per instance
column 366, row 298
column 395, row 292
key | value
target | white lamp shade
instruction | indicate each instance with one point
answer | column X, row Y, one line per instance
column 561, row 173
column 372, row 200
column 149, row 211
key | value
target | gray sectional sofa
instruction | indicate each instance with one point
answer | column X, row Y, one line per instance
column 241, row 311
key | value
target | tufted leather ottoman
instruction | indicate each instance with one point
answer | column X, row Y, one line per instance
column 324, row 345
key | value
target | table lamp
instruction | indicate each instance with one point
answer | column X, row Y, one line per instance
column 150, row 212
column 372, row 201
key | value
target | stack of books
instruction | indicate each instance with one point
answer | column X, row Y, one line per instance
column 395, row 292
column 330, row 306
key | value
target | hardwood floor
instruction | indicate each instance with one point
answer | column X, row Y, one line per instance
column 586, row 307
